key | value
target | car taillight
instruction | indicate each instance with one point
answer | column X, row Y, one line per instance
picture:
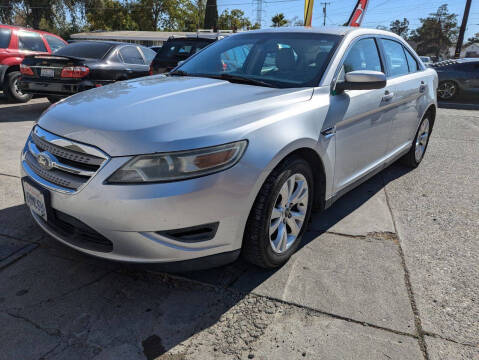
column 151, row 70
column 26, row 70
column 75, row 72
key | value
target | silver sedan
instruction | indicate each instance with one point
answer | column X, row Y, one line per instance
column 231, row 151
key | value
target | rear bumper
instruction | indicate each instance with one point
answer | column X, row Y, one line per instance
column 60, row 88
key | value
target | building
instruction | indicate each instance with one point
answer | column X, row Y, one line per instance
column 146, row 38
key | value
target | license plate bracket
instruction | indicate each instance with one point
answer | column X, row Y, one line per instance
column 47, row 73
column 37, row 199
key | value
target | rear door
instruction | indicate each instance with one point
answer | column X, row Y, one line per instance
column 363, row 126
column 406, row 81
column 134, row 62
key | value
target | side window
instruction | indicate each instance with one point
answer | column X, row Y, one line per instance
column 395, row 57
column 411, row 61
column 148, row 54
column 30, row 41
column 54, row 42
column 5, row 35
column 131, row 55
column 363, row 55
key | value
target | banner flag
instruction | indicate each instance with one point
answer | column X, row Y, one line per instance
column 308, row 12
column 357, row 15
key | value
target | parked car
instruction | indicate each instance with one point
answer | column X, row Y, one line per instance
column 83, row 65
column 192, row 168
column 426, row 60
column 16, row 43
column 457, row 77
column 178, row 49
column 156, row 48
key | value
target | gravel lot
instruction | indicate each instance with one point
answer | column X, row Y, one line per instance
column 389, row 272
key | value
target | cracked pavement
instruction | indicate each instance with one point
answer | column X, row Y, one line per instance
column 389, row 272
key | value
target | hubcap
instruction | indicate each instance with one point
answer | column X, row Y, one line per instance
column 288, row 214
column 16, row 88
column 421, row 140
column 446, row 90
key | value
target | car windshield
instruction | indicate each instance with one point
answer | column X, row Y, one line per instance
column 273, row 59
column 85, row 50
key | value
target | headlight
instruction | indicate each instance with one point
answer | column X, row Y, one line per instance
column 179, row 165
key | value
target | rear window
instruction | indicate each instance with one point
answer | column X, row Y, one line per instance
column 54, row 42
column 180, row 50
column 86, row 50
column 5, row 35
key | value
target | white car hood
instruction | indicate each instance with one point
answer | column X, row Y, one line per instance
column 159, row 113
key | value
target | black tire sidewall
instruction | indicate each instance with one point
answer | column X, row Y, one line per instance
column 296, row 166
column 10, row 79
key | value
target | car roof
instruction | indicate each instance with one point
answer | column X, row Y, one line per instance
column 334, row 30
column 15, row 27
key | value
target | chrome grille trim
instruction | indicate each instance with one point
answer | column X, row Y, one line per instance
column 67, row 170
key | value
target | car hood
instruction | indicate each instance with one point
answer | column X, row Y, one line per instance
column 162, row 113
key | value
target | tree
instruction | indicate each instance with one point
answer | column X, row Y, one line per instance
column 211, row 15
column 279, row 20
column 400, row 28
column 255, row 26
column 473, row 40
column 234, row 20
column 110, row 15
column 437, row 33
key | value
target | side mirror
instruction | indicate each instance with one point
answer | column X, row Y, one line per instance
column 180, row 62
column 361, row 80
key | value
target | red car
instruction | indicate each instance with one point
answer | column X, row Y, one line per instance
column 15, row 43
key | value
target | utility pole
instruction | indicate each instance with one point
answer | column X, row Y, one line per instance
column 324, row 11
column 259, row 11
column 460, row 39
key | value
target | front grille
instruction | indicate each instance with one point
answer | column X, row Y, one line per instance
column 66, row 164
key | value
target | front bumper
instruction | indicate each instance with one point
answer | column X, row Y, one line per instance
column 134, row 217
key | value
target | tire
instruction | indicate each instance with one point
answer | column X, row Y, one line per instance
column 447, row 90
column 53, row 99
column 11, row 88
column 415, row 155
column 258, row 244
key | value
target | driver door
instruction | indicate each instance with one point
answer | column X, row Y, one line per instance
column 362, row 123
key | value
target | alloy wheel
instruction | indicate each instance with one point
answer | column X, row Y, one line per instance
column 421, row 140
column 447, row 90
column 288, row 213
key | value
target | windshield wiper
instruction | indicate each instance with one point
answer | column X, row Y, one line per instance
column 178, row 73
column 240, row 79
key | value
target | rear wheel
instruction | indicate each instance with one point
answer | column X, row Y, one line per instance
column 419, row 146
column 447, row 90
column 279, row 215
column 12, row 88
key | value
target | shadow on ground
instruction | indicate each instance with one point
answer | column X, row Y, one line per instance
column 23, row 111
column 83, row 306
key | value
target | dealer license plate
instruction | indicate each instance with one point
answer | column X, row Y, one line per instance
column 35, row 200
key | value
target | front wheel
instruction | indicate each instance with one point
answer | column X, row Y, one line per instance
column 280, row 214
column 12, row 89
column 447, row 90
column 419, row 146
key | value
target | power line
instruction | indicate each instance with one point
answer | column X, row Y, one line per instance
column 324, row 11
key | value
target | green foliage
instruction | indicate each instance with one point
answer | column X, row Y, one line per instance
column 234, row 20
column 400, row 28
column 279, row 20
column 211, row 15
column 437, row 33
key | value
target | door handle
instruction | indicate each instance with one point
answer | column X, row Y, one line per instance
column 422, row 87
column 329, row 132
column 388, row 95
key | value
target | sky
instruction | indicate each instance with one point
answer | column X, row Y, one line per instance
column 379, row 12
